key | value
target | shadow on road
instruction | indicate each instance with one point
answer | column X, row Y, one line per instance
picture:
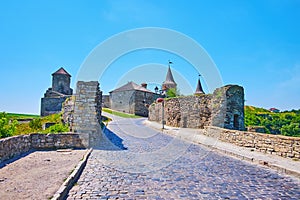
column 112, row 141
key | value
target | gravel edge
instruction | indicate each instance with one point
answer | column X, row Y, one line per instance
column 71, row 180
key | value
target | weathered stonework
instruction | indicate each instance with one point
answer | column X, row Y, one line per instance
column 273, row 144
column 227, row 107
column 132, row 98
column 68, row 112
column 87, row 112
column 224, row 108
column 54, row 97
column 14, row 146
column 51, row 105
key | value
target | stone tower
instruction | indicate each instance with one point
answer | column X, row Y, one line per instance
column 61, row 80
column 199, row 89
column 54, row 97
column 169, row 82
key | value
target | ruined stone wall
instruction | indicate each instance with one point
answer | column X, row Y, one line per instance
column 14, row 146
column 273, row 144
column 224, row 108
column 87, row 112
column 191, row 111
column 227, row 107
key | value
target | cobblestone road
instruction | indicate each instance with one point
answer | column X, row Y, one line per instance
column 145, row 164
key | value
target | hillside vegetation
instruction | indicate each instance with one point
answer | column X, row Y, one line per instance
column 9, row 125
column 285, row 123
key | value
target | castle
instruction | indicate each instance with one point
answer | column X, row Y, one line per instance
column 224, row 108
column 54, row 97
column 135, row 99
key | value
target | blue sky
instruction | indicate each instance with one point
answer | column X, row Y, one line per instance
column 253, row 43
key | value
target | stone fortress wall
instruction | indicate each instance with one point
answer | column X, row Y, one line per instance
column 224, row 108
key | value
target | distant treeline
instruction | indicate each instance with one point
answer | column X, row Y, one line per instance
column 285, row 123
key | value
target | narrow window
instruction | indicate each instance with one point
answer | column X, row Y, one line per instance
column 236, row 121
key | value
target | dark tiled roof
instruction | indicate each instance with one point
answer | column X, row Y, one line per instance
column 169, row 77
column 61, row 71
column 131, row 86
column 199, row 89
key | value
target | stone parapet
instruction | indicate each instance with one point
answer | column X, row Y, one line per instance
column 16, row 145
column 273, row 144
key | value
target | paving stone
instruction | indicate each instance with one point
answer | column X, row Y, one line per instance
column 190, row 176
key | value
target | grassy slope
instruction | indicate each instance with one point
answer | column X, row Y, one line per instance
column 120, row 114
column 21, row 116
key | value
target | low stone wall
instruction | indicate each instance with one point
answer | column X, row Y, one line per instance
column 274, row 144
column 14, row 146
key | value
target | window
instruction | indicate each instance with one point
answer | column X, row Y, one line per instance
column 236, row 121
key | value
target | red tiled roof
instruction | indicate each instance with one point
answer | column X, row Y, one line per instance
column 61, row 71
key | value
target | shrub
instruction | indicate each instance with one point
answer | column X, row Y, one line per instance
column 6, row 128
column 57, row 128
column 36, row 124
column 292, row 129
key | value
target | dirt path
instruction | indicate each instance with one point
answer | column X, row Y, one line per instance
column 37, row 175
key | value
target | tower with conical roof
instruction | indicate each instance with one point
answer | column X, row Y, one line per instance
column 169, row 82
column 199, row 89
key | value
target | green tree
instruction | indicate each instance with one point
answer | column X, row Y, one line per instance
column 173, row 92
column 6, row 128
column 292, row 129
column 275, row 123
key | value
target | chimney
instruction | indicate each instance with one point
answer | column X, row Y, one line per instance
column 144, row 85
